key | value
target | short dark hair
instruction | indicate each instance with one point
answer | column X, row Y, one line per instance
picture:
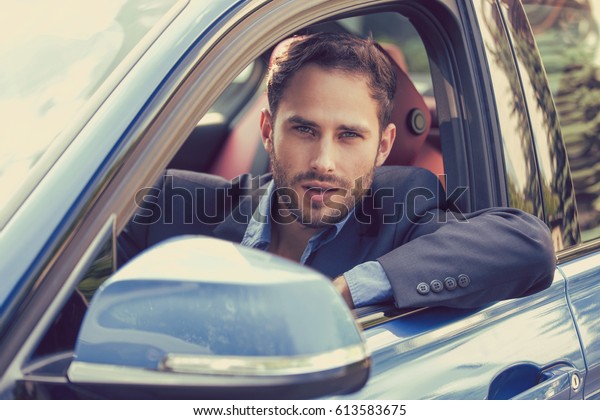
column 339, row 51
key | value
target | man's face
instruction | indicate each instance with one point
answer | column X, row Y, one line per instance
column 324, row 144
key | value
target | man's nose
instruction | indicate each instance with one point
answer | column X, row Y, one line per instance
column 323, row 159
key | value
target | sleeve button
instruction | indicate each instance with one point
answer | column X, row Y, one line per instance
column 450, row 283
column 464, row 280
column 436, row 286
column 423, row 288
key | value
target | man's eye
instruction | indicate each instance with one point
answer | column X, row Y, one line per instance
column 350, row 134
column 304, row 129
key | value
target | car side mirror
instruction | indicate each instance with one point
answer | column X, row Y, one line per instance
column 201, row 318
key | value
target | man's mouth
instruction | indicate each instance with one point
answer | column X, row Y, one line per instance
column 318, row 190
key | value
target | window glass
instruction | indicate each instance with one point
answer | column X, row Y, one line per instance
column 567, row 35
column 235, row 93
column 55, row 56
column 98, row 267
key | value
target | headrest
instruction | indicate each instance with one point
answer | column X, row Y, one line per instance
column 410, row 114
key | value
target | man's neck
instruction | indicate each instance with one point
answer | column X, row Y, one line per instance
column 289, row 238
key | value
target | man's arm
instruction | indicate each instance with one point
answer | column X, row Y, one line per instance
column 342, row 287
column 366, row 284
column 464, row 262
column 495, row 254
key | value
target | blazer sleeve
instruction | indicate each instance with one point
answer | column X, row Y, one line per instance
column 465, row 260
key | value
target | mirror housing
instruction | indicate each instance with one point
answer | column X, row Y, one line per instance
column 197, row 317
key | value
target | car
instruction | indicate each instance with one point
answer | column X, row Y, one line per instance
column 99, row 99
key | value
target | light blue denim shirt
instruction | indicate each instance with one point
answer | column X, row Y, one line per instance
column 367, row 282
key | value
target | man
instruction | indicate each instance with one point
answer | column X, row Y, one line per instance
column 380, row 233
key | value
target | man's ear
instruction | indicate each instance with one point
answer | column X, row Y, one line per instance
column 266, row 130
column 385, row 145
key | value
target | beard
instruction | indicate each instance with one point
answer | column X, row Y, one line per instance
column 335, row 206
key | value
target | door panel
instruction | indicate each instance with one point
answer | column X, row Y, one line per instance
column 583, row 287
column 450, row 354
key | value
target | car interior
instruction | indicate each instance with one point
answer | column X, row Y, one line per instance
column 227, row 142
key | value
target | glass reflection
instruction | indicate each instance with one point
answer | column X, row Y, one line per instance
column 55, row 56
column 521, row 168
column 568, row 38
column 557, row 188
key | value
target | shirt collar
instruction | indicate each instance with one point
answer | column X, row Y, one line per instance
column 258, row 232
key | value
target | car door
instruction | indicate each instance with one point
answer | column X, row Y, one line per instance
column 567, row 34
column 525, row 348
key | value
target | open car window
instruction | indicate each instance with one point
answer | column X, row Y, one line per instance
column 226, row 141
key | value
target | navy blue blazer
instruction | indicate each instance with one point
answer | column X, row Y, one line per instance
column 432, row 256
